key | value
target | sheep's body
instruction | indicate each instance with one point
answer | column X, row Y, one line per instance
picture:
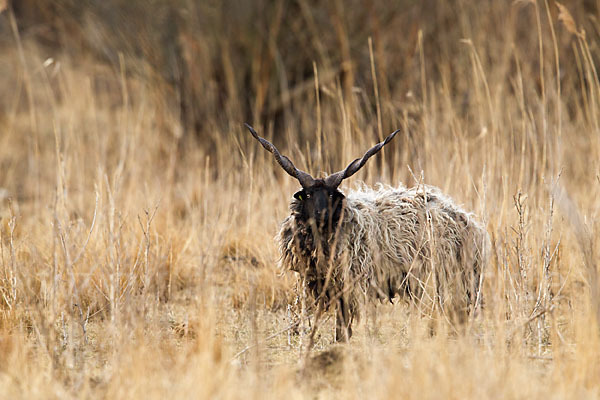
column 413, row 242
column 375, row 244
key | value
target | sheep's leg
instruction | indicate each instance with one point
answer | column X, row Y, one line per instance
column 343, row 322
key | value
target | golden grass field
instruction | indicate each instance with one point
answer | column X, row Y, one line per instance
column 137, row 214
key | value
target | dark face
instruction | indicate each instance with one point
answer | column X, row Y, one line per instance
column 321, row 204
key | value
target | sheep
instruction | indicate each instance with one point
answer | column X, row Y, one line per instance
column 374, row 244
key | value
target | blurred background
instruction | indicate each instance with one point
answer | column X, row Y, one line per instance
column 206, row 67
column 213, row 65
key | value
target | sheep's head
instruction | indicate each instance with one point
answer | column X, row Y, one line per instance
column 320, row 201
column 319, row 204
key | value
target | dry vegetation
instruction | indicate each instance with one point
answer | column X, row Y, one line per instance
column 137, row 215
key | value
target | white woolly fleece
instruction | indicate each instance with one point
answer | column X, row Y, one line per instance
column 392, row 240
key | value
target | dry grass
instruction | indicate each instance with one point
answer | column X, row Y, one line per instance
column 137, row 256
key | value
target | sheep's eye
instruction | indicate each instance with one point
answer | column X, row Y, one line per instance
column 300, row 195
column 307, row 195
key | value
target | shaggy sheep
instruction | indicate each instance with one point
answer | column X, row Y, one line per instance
column 376, row 244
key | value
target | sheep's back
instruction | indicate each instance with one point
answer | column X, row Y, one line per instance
column 414, row 241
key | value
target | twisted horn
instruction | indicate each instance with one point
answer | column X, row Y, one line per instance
column 305, row 179
column 335, row 179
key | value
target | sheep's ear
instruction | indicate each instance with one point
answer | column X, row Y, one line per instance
column 339, row 195
column 300, row 195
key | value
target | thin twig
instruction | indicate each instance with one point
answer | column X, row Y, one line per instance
column 82, row 250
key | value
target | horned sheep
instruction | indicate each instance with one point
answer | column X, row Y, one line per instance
column 374, row 244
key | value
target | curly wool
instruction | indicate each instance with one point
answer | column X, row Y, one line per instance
column 412, row 242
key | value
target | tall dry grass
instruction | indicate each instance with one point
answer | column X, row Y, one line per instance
column 137, row 218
